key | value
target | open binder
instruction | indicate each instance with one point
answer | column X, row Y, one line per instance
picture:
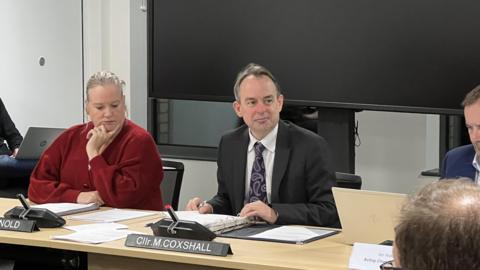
column 216, row 223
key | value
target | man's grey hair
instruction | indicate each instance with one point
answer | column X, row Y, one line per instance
column 104, row 78
column 256, row 70
column 439, row 228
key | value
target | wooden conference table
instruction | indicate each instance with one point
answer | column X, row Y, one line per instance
column 328, row 253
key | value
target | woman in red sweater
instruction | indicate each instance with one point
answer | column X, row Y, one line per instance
column 109, row 161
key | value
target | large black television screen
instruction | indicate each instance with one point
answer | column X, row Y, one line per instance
column 396, row 55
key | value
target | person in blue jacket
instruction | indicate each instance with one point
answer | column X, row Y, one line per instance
column 463, row 161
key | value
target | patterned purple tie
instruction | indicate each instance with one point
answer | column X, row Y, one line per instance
column 258, row 184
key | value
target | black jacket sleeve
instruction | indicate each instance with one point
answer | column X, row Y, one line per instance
column 8, row 131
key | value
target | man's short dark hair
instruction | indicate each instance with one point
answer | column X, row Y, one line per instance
column 472, row 97
column 256, row 70
column 440, row 227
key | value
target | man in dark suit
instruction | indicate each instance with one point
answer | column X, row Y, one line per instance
column 463, row 161
column 269, row 168
column 458, row 163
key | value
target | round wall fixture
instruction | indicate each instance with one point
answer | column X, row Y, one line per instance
column 41, row 61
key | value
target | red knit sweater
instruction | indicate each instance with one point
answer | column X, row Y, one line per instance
column 126, row 175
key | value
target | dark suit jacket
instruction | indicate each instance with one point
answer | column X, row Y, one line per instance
column 458, row 163
column 301, row 181
column 8, row 132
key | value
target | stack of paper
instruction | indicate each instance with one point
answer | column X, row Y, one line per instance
column 95, row 233
column 63, row 209
column 113, row 215
column 215, row 222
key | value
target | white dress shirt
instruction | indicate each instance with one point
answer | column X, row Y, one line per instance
column 477, row 169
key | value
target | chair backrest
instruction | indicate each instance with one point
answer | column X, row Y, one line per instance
column 172, row 182
column 348, row 180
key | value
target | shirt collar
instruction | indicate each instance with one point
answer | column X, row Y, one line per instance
column 475, row 163
column 268, row 141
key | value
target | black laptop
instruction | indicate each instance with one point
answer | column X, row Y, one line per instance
column 36, row 140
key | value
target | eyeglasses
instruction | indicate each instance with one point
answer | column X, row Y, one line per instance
column 388, row 265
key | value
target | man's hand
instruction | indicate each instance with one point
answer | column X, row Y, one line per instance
column 90, row 197
column 261, row 210
column 14, row 153
column 98, row 140
column 197, row 204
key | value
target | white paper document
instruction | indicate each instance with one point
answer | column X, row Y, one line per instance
column 296, row 234
column 369, row 256
column 112, row 215
column 67, row 208
column 97, row 226
column 95, row 236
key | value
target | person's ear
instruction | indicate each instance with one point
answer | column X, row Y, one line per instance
column 125, row 106
column 280, row 101
column 236, row 108
column 86, row 107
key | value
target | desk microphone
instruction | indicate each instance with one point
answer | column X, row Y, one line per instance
column 172, row 213
column 23, row 201
column 25, row 204
column 180, row 228
column 44, row 218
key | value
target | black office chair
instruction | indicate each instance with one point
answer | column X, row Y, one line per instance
column 172, row 182
column 14, row 187
column 348, row 180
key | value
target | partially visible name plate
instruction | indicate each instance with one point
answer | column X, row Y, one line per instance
column 178, row 244
column 18, row 225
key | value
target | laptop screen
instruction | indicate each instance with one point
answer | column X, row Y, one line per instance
column 36, row 140
column 368, row 216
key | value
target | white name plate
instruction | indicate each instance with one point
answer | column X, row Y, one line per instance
column 18, row 225
column 178, row 244
column 369, row 256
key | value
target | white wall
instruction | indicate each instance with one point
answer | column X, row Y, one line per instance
column 107, row 39
column 393, row 150
column 432, row 137
column 49, row 95
column 138, row 70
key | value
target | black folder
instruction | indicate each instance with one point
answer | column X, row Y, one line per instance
column 247, row 232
